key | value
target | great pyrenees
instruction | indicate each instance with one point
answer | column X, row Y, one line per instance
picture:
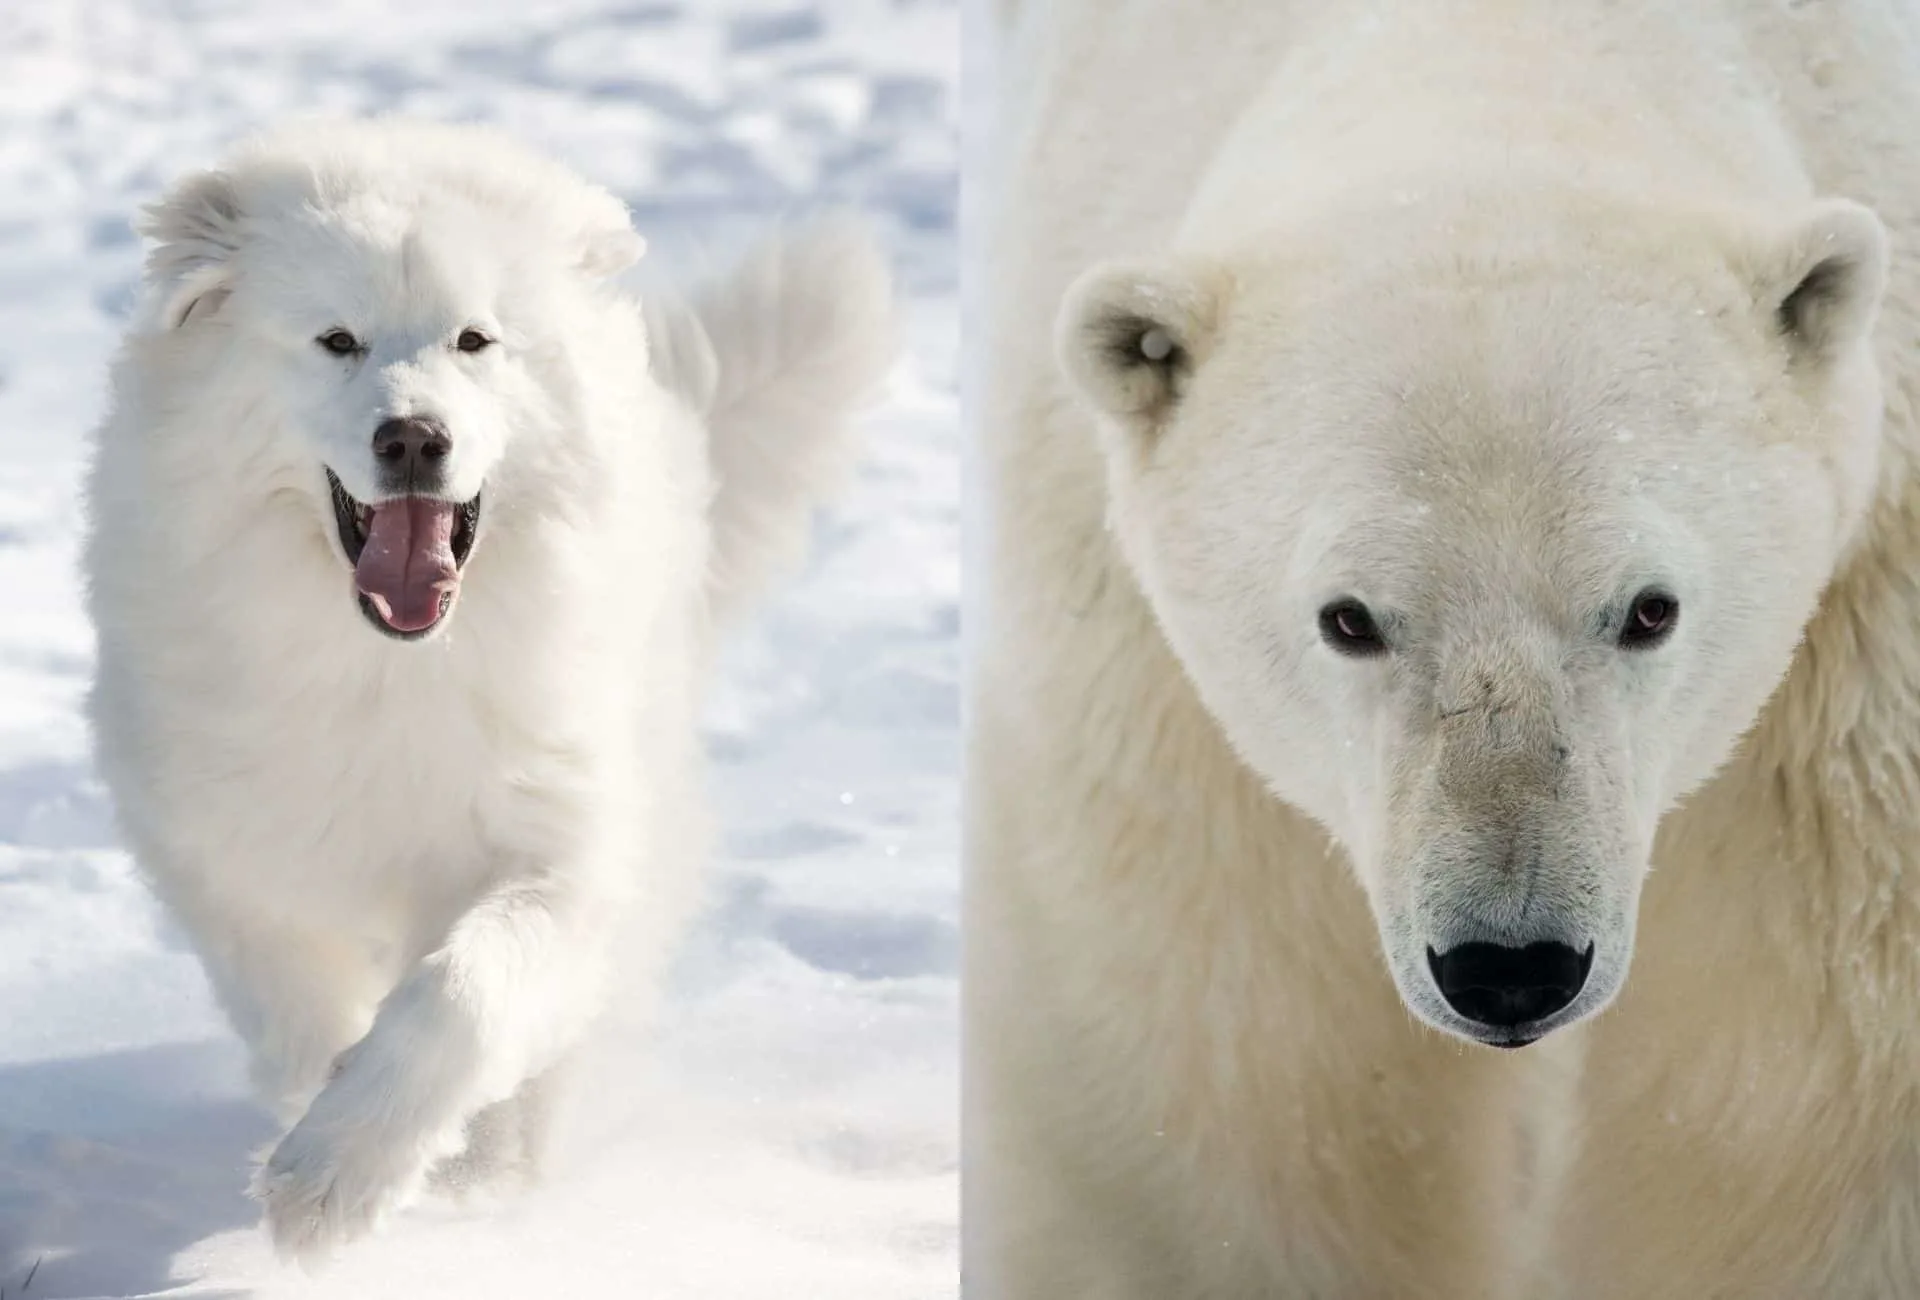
column 408, row 533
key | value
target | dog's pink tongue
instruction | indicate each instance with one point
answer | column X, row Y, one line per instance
column 407, row 563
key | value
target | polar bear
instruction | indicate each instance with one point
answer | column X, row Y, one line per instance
column 1448, row 548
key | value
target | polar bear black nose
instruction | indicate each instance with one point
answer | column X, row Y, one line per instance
column 1491, row 984
column 412, row 452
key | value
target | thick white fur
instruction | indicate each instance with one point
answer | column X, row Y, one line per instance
column 775, row 410
column 403, row 864
column 1485, row 312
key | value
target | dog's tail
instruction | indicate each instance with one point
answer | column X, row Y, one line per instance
column 778, row 356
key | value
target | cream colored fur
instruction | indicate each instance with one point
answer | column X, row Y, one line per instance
column 1490, row 308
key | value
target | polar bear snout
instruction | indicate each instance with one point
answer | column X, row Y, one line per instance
column 1504, row 962
column 1507, row 988
column 1491, row 986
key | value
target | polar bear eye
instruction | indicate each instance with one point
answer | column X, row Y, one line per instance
column 1650, row 621
column 1348, row 627
column 472, row 341
column 339, row 343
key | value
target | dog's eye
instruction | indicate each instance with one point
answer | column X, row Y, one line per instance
column 339, row 343
column 1650, row 621
column 1348, row 627
column 473, row 341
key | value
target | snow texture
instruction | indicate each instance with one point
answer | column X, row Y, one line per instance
column 788, row 1129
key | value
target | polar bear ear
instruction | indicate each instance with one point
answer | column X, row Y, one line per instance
column 1824, row 280
column 1130, row 334
column 196, row 228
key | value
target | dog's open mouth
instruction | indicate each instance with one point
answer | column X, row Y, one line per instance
column 407, row 553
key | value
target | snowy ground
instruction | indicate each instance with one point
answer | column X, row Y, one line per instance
column 789, row 1130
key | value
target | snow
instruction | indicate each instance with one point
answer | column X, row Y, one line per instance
column 787, row 1128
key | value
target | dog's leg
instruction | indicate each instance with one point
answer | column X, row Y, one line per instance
column 492, row 1155
column 511, row 988
column 506, row 1143
column 297, row 997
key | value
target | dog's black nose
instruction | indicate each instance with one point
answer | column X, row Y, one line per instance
column 411, row 450
column 1491, row 984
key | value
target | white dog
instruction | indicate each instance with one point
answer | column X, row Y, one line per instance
column 407, row 533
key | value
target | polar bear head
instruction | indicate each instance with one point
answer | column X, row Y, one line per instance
column 1485, row 535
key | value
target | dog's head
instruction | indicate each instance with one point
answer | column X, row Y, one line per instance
column 391, row 293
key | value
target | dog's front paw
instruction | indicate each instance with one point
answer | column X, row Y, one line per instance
column 321, row 1190
column 394, row 1105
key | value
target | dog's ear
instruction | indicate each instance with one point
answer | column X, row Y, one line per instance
column 608, row 250
column 196, row 229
